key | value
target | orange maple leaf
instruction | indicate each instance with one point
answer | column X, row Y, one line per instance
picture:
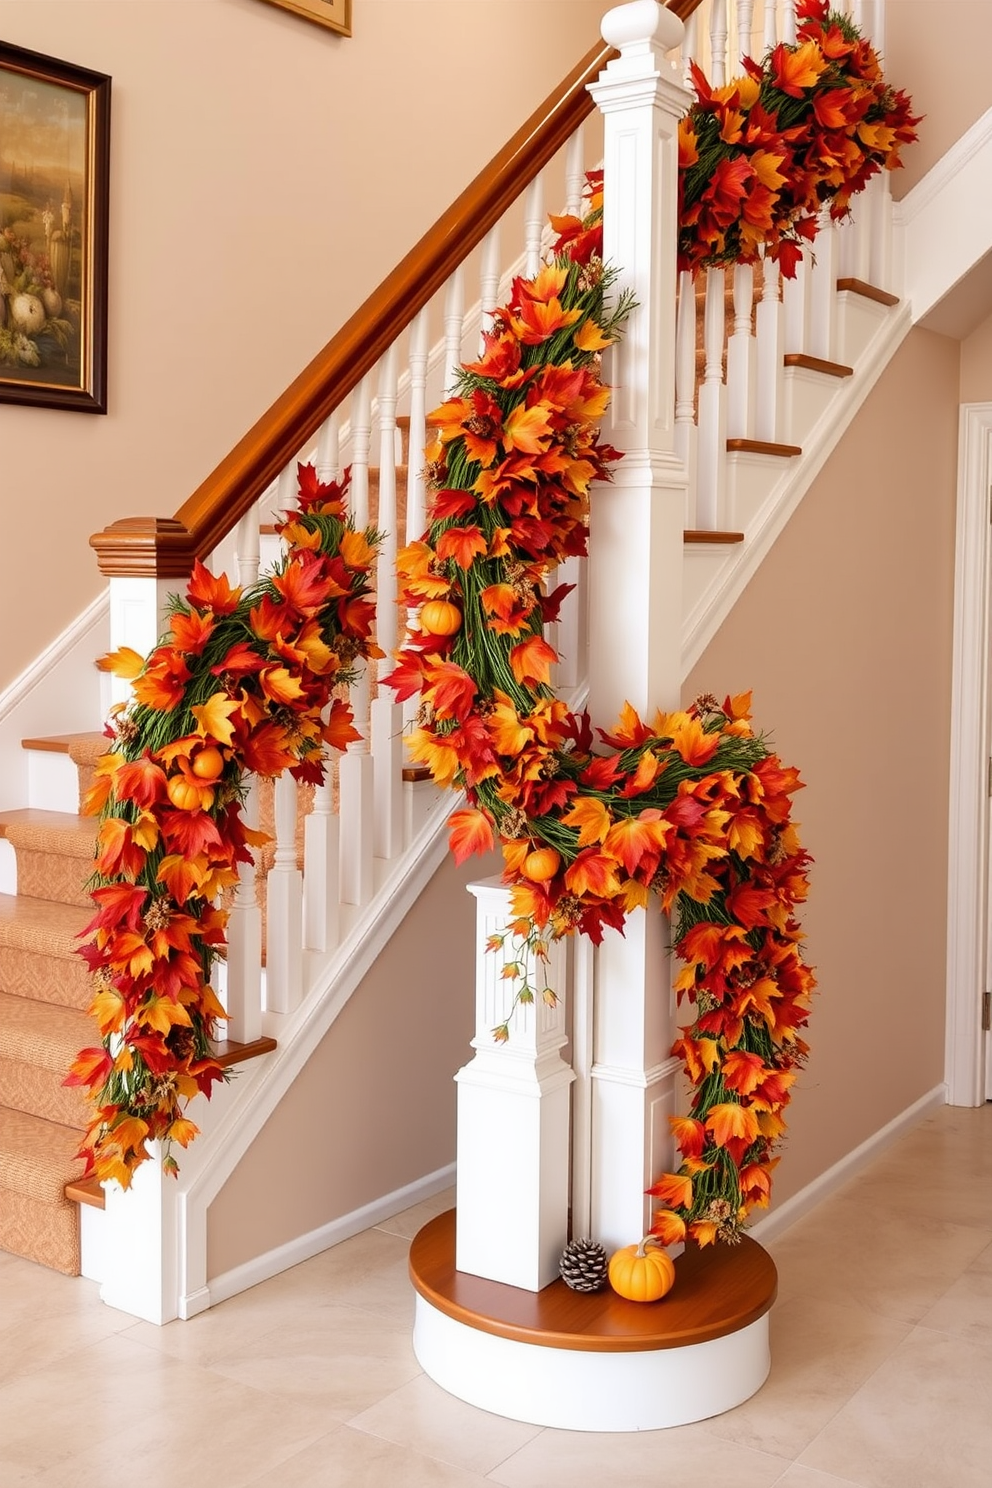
column 591, row 817
column 463, row 544
column 124, row 662
column 471, row 832
column 593, row 873
column 532, row 660
column 794, row 69
column 674, row 1189
column 209, row 593
column 634, row 838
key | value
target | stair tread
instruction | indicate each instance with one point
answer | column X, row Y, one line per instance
column 37, row 1157
column 37, row 830
column 763, row 447
column 867, row 291
column 42, row 1033
column 817, row 364
column 42, row 925
column 89, row 745
column 693, row 535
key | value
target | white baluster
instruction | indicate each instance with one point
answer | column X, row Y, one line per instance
column 745, row 19
column 321, row 871
column 454, row 322
column 823, row 291
column 719, row 31
column 243, row 999
column 789, row 22
column 533, row 226
column 794, row 311
column 575, row 175
column 690, row 46
column 387, row 715
column 878, row 199
column 489, row 278
column 770, row 36
column 770, row 350
column 740, row 358
column 571, row 634
column 284, row 908
column 321, row 837
column 685, row 389
column 355, row 778
column 416, row 511
column 712, row 407
column 328, row 448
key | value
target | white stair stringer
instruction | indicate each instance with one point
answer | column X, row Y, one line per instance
column 764, row 490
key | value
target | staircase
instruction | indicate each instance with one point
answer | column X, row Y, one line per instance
column 376, row 834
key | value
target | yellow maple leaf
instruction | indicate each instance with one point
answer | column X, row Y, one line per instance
column 214, row 717
column 592, row 819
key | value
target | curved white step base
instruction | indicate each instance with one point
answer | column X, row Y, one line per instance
column 580, row 1390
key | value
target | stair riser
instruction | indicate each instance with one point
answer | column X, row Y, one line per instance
column 40, row 1092
column 46, row 1233
column 858, row 321
column 808, row 395
column 42, row 875
column 55, row 783
column 32, row 975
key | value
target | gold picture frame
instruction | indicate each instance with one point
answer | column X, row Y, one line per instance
column 54, row 231
column 334, row 14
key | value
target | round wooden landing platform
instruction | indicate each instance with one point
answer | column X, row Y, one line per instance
column 594, row 1362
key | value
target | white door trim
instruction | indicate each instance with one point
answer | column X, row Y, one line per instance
column 968, row 814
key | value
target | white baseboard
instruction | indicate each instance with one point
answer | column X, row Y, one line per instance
column 262, row 1267
column 779, row 1220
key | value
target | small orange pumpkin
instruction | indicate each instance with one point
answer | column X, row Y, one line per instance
column 643, row 1272
column 541, row 865
column 440, row 617
column 186, row 795
column 207, row 763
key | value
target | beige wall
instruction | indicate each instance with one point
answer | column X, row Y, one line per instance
column 976, row 365
column 939, row 54
column 374, row 1108
column 845, row 637
column 265, row 175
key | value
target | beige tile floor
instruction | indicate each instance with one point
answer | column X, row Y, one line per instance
column 881, row 1374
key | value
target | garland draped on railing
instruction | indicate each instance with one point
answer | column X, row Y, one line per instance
column 806, row 128
column 244, row 682
column 689, row 808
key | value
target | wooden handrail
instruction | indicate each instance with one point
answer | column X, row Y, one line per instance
column 166, row 547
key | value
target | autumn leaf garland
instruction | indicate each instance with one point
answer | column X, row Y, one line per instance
column 242, row 682
column 689, row 810
column 806, row 128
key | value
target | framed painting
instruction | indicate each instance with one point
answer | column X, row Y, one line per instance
column 335, row 14
column 54, row 220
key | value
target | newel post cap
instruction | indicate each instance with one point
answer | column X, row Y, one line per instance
column 641, row 21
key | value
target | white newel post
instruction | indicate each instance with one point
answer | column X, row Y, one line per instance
column 513, row 1117
column 636, row 591
column 138, row 608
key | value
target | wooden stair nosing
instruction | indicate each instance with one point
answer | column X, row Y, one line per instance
column 227, row 1053
column 867, row 291
column 817, row 364
column 693, row 535
column 763, row 447
column 62, row 743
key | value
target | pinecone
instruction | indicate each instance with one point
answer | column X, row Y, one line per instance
column 583, row 1265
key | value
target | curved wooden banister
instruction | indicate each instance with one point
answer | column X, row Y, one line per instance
column 165, row 547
